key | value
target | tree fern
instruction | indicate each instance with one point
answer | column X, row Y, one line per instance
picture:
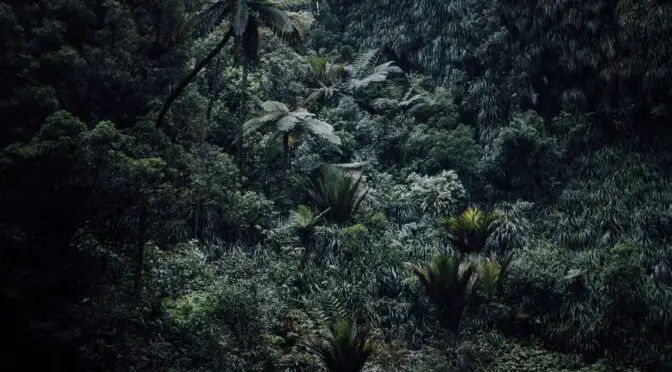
column 287, row 122
column 245, row 18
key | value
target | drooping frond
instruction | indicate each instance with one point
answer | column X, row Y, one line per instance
column 278, row 22
column 254, row 124
column 270, row 106
column 379, row 74
column 287, row 123
column 211, row 18
column 322, row 129
column 239, row 17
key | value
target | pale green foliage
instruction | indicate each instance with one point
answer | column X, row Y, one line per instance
column 434, row 196
column 286, row 121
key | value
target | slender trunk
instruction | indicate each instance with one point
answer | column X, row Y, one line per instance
column 187, row 79
column 243, row 99
column 140, row 246
column 285, row 145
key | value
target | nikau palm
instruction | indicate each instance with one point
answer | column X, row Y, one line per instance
column 345, row 349
column 287, row 121
column 448, row 282
column 470, row 232
column 243, row 18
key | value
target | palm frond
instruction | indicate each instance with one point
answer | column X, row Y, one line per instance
column 488, row 271
column 333, row 188
column 346, row 348
column 448, row 280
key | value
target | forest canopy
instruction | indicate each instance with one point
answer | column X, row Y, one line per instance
column 301, row 185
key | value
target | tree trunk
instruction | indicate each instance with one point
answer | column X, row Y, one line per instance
column 187, row 79
column 140, row 246
column 285, row 145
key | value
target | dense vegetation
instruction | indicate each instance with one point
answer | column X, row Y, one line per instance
column 373, row 185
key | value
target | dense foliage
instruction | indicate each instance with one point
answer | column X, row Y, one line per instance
column 253, row 185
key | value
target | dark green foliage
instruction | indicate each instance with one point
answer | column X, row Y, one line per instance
column 339, row 190
column 127, row 248
column 448, row 282
column 245, row 19
column 345, row 349
column 607, row 57
column 586, row 302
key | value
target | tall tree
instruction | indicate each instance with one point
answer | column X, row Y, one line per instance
column 244, row 19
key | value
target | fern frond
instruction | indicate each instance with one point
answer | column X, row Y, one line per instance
column 278, row 22
column 364, row 63
column 210, row 18
column 239, row 17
